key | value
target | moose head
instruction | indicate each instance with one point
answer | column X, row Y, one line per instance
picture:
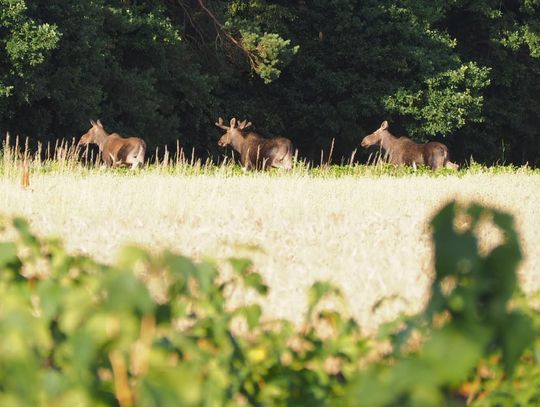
column 376, row 136
column 93, row 135
column 233, row 131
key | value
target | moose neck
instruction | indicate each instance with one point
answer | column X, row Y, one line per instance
column 238, row 141
column 100, row 138
column 387, row 141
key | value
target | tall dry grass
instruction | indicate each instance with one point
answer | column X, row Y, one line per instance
column 66, row 156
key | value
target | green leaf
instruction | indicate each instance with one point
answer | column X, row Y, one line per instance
column 254, row 280
column 51, row 296
column 126, row 293
column 518, row 334
column 205, row 274
column 129, row 256
column 453, row 366
column 252, row 313
column 318, row 291
column 166, row 385
column 241, row 266
column 8, row 255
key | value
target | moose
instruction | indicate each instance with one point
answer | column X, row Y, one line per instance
column 115, row 149
column 403, row 150
column 256, row 152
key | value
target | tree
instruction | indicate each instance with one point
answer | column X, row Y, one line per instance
column 506, row 37
column 25, row 44
column 464, row 71
column 126, row 64
column 359, row 63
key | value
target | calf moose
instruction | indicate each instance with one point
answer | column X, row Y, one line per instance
column 255, row 150
column 403, row 150
column 115, row 150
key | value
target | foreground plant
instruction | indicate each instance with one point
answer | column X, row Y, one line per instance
column 157, row 330
column 76, row 332
column 469, row 320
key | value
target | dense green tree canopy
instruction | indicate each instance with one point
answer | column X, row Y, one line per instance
column 465, row 72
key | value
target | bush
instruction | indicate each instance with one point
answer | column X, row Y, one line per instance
column 156, row 330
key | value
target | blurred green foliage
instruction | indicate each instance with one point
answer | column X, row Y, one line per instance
column 157, row 330
column 75, row 332
column 465, row 72
column 469, row 319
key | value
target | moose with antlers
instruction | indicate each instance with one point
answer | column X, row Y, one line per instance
column 256, row 152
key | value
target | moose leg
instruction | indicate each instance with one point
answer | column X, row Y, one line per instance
column 436, row 162
column 437, row 157
column 287, row 162
column 112, row 160
column 140, row 156
column 257, row 159
column 247, row 165
column 247, row 160
column 133, row 160
column 452, row 166
column 107, row 159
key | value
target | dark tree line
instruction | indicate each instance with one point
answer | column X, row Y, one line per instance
column 464, row 72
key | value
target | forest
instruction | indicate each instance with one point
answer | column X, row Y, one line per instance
column 322, row 73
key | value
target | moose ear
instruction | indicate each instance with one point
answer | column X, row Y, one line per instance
column 233, row 122
column 99, row 123
column 92, row 123
column 384, row 125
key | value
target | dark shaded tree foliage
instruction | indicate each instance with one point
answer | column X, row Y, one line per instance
column 465, row 72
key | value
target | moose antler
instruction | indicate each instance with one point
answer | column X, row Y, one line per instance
column 244, row 124
column 220, row 124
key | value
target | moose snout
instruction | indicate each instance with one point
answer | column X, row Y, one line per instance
column 364, row 142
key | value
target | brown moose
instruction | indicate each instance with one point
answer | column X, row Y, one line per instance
column 115, row 150
column 255, row 150
column 403, row 150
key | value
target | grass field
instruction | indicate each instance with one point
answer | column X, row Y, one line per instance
column 364, row 231
column 365, row 228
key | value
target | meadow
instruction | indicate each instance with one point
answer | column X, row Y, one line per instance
column 364, row 228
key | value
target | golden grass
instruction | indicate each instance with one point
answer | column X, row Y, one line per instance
column 368, row 235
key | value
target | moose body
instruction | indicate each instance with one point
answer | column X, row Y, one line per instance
column 115, row 149
column 403, row 150
column 255, row 150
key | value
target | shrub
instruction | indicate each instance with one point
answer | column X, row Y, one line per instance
column 156, row 330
